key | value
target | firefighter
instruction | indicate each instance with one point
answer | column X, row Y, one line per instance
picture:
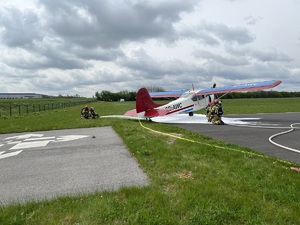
column 208, row 111
column 217, row 112
column 93, row 114
column 85, row 112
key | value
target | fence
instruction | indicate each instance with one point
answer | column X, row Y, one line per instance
column 9, row 110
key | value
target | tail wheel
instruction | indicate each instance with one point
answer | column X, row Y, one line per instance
column 191, row 113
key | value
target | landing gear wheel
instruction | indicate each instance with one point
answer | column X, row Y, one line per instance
column 191, row 113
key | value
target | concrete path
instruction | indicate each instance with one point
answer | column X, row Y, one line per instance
column 47, row 164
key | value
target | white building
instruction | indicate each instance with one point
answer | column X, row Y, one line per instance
column 21, row 95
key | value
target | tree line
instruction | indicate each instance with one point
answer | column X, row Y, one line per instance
column 108, row 96
column 130, row 96
column 263, row 94
column 126, row 95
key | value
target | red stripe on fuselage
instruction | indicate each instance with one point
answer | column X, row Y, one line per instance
column 177, row 110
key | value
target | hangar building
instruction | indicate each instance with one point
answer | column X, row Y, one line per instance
column 21, row 95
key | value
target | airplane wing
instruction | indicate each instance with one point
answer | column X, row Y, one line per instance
column 167, row 94
column 149, row 113
column 241, row 87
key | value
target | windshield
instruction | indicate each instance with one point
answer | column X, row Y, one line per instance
column 187, row 94
column 199, row 97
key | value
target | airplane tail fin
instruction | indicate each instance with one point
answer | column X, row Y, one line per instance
column 144, row 102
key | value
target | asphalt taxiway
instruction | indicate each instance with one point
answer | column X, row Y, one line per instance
column 47, row 164
column 257, row 131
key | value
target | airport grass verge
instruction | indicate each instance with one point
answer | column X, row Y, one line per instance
column 191, row 182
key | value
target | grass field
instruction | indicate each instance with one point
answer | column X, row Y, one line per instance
column 206, row 181
column 20, row 107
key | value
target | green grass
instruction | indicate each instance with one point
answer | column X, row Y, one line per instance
column 261, row 105
column 20, row 107
column 195, row 180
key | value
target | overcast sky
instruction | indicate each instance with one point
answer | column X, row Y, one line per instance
column 83, row 46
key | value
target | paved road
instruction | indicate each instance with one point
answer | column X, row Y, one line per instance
column 257, row 138
column 47, row 164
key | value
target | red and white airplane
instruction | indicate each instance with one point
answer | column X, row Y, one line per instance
column 188, row 101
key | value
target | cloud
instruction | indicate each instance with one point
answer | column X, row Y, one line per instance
column 80, row 47
column 270, row 55
column 251, row 20
column 110, row 23
column 222, row 59
column 244, row 64
column 19, row 28
column 139, row 60
column 216, row 33
column 225, row 33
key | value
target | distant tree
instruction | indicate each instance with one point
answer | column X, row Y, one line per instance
column 109, row 96
column 295, row 94
column 104, row 96
column 97, row 94
column 131, row 96
column 286, row 94
column 274, row 94
column 262, row 94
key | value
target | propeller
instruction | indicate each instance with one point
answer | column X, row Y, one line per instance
column 215, row 95
column 209, row 97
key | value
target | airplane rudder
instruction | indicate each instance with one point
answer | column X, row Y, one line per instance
column 140, row 100
column 143, row 100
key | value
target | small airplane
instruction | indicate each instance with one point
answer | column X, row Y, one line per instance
column 188, row 101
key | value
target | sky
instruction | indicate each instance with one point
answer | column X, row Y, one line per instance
column 79, row 47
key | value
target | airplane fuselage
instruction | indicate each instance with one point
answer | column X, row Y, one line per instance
column 186, row 103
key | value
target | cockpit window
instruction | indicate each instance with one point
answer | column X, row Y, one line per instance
column 196, row 98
